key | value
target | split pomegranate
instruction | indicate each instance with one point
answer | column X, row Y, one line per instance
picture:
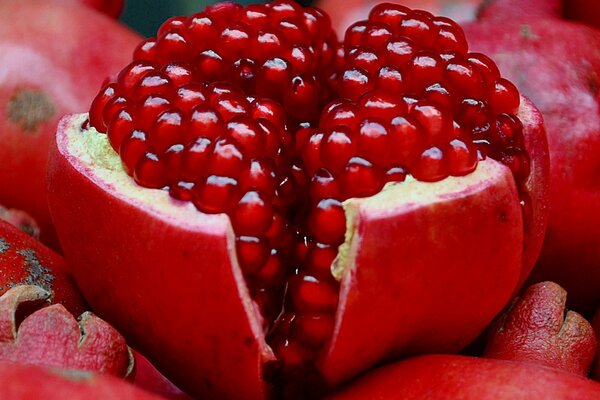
column 283, row 227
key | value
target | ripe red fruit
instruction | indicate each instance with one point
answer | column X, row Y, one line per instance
column 537, row 328
column 528, row 39
column 49, row 66
column 25, row 261
column 34, row 382
column 34, row 332
column 442, row 376
column 286, row 225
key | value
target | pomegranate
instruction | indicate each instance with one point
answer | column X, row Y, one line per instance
column 353, row 10
column 25, row 261
column 537, row 328
column 34, row 332
column 21, row 220
column 528, row 39
column 451, row 376
column 49, row 66
column 264, row 216
column 29, row 382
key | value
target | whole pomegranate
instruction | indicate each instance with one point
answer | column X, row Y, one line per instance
column 274, row 209
column 49, row 66
column 551, row 61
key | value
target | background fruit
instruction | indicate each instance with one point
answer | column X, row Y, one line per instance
column 33, row 382
column 25, row 261
column 440, row 376
column 528, row 41
column 34, row 332
column 112, row 8
column 538, row 329
column 51, row 65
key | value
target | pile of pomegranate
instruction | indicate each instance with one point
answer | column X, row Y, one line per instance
column 252, row 205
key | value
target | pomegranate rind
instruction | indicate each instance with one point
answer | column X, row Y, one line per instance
column 29, row 382
column 451, row 376
column 51, row 336
column 171, row 270
column 538, row 328
column 25, row 261
column 402, row 296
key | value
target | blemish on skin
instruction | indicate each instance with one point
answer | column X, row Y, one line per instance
column 29, row 108
column 4, row 246
column 37, row 274
column 527, row 33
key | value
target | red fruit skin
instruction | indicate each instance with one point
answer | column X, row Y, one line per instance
column 52, row 65
column 197, row 304
column 596, row 368
column 460, row 377
column 50, row 336
column 25, row 261
column 356, row 10
column 537, row 328
column 29, row 382
column 550, row 61
column 21, row 220
column 587, row 11
column 112, row 8
column 148, row 378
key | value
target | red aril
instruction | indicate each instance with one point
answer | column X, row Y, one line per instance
column 293, row 239
column 51, row 65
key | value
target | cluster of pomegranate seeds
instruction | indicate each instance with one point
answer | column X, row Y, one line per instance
column 410, row 101
column 278, row 50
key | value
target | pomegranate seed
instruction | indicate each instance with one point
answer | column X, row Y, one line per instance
column 226, row 159
column 252, row 253
column 312, row 295
column 462, row 158
column 120, row 128
column 504, row 97
column 327, row 222
column 216, row 194
column 361, row 179
column 337, row 149
column 324, row 185
column 132, row 149
column 150, row 172
column 167, row 130
column 313, row 330
column 252, row 216
column 431, row 166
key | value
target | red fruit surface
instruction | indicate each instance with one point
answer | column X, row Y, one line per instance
column 34, row 332
column 148, row 378
column 449, row 376
column 560, row 77
column 354, row 10
column 49, row 66
column 112, row 8
column 30, row 382
column 537, row 328
column 21, row 220
column 25, row 261
column 596, row 368
column 285, row 222
column 587, row 11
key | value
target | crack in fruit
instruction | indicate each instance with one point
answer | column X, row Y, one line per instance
column 406, row 100
column 29, row 108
